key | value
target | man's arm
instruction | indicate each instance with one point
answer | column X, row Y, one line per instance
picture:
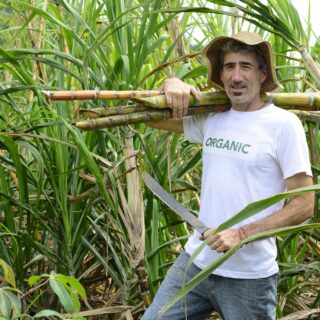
column 299, row 209
column 172, row 125
column 177, row 95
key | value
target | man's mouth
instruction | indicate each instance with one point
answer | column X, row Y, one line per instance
column 237, row 90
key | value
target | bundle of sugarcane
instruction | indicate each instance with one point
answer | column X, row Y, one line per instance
column 152, row 105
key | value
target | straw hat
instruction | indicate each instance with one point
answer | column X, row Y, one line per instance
column 212, row 54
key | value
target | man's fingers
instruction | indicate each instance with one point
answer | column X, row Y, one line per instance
column 222, row 241
column 185, row 104
column 196, row 95
column 219, row 247
column 178, row 105
column 169, row 99
column 205, row 235
column 215, row 245
column 175, row 106
column 177, row 95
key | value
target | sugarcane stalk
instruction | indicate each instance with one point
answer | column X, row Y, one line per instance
column 120, row 120
column 156, row 99
column 112, row 111
column 206, row 98
column 99, row 94
column 153, row 115
column 129, row 109
column 310, row 64
column 307, row 115
column 304, row 100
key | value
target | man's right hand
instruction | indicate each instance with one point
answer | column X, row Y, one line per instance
column 177, row 94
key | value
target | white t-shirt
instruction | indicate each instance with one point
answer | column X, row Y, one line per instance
column 246, row 157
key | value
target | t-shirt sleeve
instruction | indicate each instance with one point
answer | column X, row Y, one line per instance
column 292, row 150
column 193, row 127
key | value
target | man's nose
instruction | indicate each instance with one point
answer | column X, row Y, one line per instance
column 237, row 74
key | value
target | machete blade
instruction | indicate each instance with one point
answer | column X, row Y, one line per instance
column 174, row 205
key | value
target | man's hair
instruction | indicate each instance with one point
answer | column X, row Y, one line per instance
column 235, row 46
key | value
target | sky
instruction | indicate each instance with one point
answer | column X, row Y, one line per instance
column 302, row 7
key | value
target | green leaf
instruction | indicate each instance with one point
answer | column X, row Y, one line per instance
column 257, row 206
column 250, row 210
column 33, row 280
column 73, row 284
column 196, row 72
column 63, row 294
column 203, row 274
column 5, row 305
column 47, row 314
column 9, row 302
column 8, row 273
column 15, row 302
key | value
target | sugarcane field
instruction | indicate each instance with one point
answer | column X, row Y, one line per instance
column 112, row 121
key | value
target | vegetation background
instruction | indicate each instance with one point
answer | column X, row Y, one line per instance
column 80, row 237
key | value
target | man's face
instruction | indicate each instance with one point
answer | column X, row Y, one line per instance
column 242, row 78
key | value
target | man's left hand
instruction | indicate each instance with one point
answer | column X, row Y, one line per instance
column 222, row 241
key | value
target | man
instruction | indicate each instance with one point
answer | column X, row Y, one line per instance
column 250, row 152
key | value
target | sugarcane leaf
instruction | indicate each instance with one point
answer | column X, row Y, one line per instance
column 104, row 235
column 21, row 88
column 186, row 185
column 111, row 271
column 21, row 171
column 59, row 66
column 6, row 206
column 32, row 243
column 203, row 274
column 250, row 210
column 126, row 64
column 34, row 55
column 46, row 15
column 196, row 72
column 257, row 206
column 166, row 244
column 173, row 46
column 157, row 43
column 17, row 70
column 189, row 165
column 88, row 159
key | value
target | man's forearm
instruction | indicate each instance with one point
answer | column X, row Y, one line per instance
column 299, row 209
column 172, row 125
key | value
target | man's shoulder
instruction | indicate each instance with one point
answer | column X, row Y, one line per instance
column 282, row 115
column 200, row 117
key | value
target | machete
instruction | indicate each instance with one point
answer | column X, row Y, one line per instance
column 174, row 205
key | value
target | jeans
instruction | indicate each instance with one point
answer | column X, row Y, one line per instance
column 233, row 299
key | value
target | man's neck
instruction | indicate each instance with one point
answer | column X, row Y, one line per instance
column 247, row 107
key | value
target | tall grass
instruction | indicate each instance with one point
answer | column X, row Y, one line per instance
column 72, row 201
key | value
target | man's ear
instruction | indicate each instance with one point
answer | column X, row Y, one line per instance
column 263, row 75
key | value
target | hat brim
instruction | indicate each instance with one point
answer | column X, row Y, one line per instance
column 212, row 54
